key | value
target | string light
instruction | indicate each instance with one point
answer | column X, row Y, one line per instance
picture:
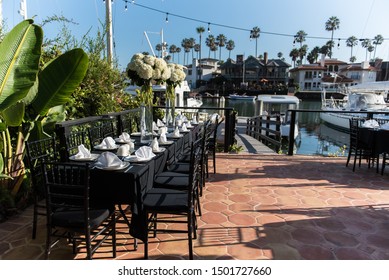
column 125, row 6
column 228, row 26
column 338, row 43
column 167, row 17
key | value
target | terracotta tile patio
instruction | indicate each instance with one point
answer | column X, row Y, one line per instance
column 258, row 207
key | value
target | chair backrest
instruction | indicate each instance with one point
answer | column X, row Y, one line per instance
column 195, row 168
column 75, row 139
column 354, row 128
column 67, row 188
column 37, row 152
column 99, row 132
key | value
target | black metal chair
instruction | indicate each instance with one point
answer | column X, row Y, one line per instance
column 37, row 152
column 68, row 211
column 75, row 139
column 99, row 132
column 358, row 148
column 175, row 202
column 212, row 144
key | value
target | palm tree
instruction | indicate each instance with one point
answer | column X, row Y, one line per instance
column 353, row 59
column 191, row 44
column 158, row 47
column 313, row 55
column 303, row 52
column 378, row 40
column 324, row 49
column 279, row 55
column 370, row 49
column 230, row 46
column 254, row 34
column 173, row 50
column 185, row 46
column 200, row 30
column 300, row 37
column 197, row 50
column 351, row 42
column 221, row 39
column 178, row 50
column 366, row 43
column 330, row 44
column 332, row 24
column 294, row 54
column 214, row 48
column 210, row 42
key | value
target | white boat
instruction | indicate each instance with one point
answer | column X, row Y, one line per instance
column 236, row 96
column 278, row 104
column 361, row 98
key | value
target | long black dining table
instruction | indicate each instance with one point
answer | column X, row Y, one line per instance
column 129, row 186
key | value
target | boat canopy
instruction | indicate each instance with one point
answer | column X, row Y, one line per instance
column 280, row 99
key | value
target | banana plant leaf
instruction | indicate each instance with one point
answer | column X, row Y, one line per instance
column 14, row 114
column 19, row 62
column 59, row 79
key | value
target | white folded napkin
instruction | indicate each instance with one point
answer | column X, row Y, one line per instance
column 176, row 132
column 82, row 152
column 155, row 126
column 162, row 138
column 125, row 137
column 144, row 152
column 179, row 122
column 371, row 124
column 194, row 120
column 124, row 150
column 183, row 127
column 162, row 129
column 108, row 159
column 160, row 123
column 385, row 126
column 107, row 143
column 155, row 145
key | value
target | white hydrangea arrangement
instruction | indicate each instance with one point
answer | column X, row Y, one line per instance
column 147, row 69
column 176, row 77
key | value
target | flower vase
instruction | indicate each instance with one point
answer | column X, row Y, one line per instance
column 168, row 113
column 146, row 124
column 146, row 98
column 171, row 103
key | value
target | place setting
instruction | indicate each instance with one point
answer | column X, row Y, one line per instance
column 163, row 140
column 110, row 161
column 124, row 138
column 175, row 134
column 84, row 155
column 142, row 155
column 108, row 144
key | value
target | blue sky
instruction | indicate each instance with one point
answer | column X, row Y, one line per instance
column 363, row 19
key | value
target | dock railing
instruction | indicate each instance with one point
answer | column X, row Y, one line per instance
column 265, row 128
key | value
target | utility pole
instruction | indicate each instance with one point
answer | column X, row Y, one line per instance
column 23, row 9
column 108, row 12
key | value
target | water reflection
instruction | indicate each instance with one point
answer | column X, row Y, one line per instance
column 316, row 138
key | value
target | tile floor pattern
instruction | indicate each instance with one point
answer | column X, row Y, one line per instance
column 258, row 207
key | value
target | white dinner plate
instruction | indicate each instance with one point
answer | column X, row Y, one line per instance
column 174, row 137
column 136, row 159
column 92, row 157
column 121, row 141
column 166, row 143
column 118, row 167
column 98, row 147
column 161, row 150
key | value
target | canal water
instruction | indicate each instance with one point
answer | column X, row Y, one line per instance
column 315, row 137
